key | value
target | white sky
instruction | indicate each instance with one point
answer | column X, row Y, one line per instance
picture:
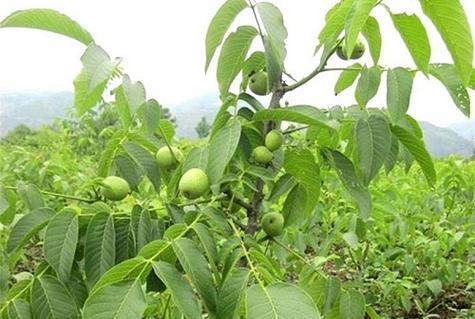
column 162, row 43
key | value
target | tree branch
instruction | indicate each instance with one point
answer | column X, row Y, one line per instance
column 314, row 73
column 252, row 212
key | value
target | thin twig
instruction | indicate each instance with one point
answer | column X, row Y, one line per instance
column 80, row 199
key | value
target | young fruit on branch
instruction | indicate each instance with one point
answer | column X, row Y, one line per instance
column 115, row 188
column 273, row 224
column 358, row 51
column 274, row 140
column 258, row 83
column 194, row 183
column 165, row 158
column 262, row 155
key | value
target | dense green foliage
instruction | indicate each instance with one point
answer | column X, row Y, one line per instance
column 110, row 216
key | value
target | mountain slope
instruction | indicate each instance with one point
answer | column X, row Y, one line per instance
column 465, row 129
column 32, row 109
column 189, row 113
column 443, row 141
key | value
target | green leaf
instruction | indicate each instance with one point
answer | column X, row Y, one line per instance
column 279, row 301
column 28, row 226
column 372, row 33
column 301, row 164
column 150, row 115
column 143, row 233
column 452, row 23
column 129, row 98
column 60, row 242
column 208, row 242
column 231, row 292
column 19, row 309
column 346, row 172
column 196, row 266
column 253, row 102
column 221, row 150
column 303, row 114
column 276, row 34
column 295, row 204
column 50, row 300
column 48, row 20
column 372, row 147
column 19, row 290
column 447, row 74
column 415, row 36
column 7, row 206
column 274, row 65
column 352, row 305
column 98, row 69
column 134, row 93
column 472, row 80
column 182, row 293
column 108, row 155
column 418, row 150
column 126, row 270
column 145, row 161
column 392, row 157
column 122, row 300
column 196, row 158
column 335, row 23
column 99, row 247
column 331, row 292
column 355, row 22
column 368, row 85
column 435, row 286
column 232, row 56
column 220, row 23
column 351, row 239
column 31, row 195
column 166, row 129
column 282, row 186
column 399, row 82
column 128, row 169
column 347, row 78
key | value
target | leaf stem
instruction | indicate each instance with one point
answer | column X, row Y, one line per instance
column 312, row 74
column 261, row 33
column 295, row 129
column 246, row 255
column 80, row 199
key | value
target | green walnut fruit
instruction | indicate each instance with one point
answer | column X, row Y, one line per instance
column 115, row 188
column 97, row 207
column 358, row 51
column 194, row 183
column 273, row 224
column 262, row 155
column 165, row 158
column 274, row 140
column 258, row 83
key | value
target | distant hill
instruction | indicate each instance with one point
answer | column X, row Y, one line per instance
column 189, row 113
column 32, row 109
column 465, row 129
column 443, row 141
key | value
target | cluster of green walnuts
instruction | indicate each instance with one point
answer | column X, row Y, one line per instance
column 194, row 183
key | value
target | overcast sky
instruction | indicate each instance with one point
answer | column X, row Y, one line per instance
column 162, row 44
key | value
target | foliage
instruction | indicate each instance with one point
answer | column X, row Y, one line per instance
column 355, row 242
column 203, row 128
